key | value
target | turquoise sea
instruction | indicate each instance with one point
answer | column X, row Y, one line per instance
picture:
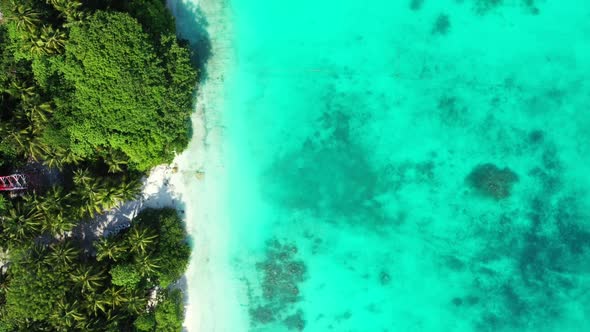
column 410, row 165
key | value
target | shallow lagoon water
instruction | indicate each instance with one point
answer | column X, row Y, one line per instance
column 354, row 132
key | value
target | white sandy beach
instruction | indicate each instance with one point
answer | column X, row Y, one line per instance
column 200, row 182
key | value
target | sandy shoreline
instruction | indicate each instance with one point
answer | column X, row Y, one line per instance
column 196, row 183
column 201, row 180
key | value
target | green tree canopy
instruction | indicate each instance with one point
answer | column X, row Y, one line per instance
column 169, row 312
column 172, row 250
column 125, row 275
column 119, row 93
column 35, row 287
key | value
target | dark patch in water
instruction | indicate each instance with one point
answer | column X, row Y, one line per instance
column 281, row 274
column 451, row 111
column 454, row 263
column 536, row 136
column 531, row 6
column 384, row 278
column 550, row 159
column 416, row 5
column 343, row 316
column 546, row 256
column 550, row 183
column 442, row 25
column 330, row 174
column 485, row 6
column 295, row 321
column 571, row 234
column 490, row 180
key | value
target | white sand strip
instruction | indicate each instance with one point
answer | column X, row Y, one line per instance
column 201, row 182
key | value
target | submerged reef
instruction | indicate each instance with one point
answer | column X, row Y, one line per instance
column 490, row 180
column 336, row 165
column 532, row 264
column 416, row 4
column 442, row 25
column 527, row 274
column 451, row 110
column 350, row 185
column 484, row 6
column 281, row 274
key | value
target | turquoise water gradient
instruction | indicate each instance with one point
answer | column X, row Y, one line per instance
column 352, row 128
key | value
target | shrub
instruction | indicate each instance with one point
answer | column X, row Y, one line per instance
column 145, row 322
column 125, row 275
column 170, row 312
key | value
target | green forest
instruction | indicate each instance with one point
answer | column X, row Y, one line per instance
column 93, row 94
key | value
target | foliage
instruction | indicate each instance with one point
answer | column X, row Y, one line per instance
column 125, row 275
column 34, row 288
column 152, row 14
column 169, row 313
column 101, row 96
column 62, row 61
column 145, row 322
column 61, row 288
column 120, row 102
column 171, row 251
column 3, row 204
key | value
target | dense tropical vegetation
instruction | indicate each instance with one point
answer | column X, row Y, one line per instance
column 92, row 95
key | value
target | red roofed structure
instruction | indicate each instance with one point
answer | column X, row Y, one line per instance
column 13, row 182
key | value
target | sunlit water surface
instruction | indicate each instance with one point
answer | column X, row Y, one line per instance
column 410, row 165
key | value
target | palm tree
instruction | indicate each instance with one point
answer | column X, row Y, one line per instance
column 28, row 143
column 54, row 39
column 22, row 90
column 48, row 42
column 140, row 238
column 88, row 278
column 54, row 208
column 69, row 9
column 87, row 191
column 107, row 198
column 67, row 315
column 53, row 160
column 63, row 254
column 57, row 225
column 136, row 302
column 90, row 325
column 106, row 248
column 21, row 222
column 115, row 160
column 146, row 265
column 115, row 296
column 35, row 256
column 94, row 302
column 129, row 190
column 25, row 17
column 70, row 157
column 38, row 113
column 108, row 195
column 82, row 177
column 54, row 201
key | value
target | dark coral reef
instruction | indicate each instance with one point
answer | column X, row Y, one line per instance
column 281, row 274
column 492, row 181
